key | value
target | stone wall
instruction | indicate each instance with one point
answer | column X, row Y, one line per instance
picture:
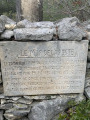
column 41, row 107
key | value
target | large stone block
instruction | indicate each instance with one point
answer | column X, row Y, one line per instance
column 54, row 67
column 70, row 29
column 34, row 34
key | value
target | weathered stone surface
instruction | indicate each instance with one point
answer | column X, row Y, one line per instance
column 56, row 117
column 34, row 33
column 87, row 92
column 2, row 96
column 24, row 118
column 9, row 23
column 80, row 98
column 47, row 109
column 44, row 67
column 70, row 29
column 3, row 101
column 27, row 24
column 2, row 25
column 7, row 34
column 88, row 73
column 13, row 98
column 1, row 115
column 25, row 101
column 87, row 82
column 10, row 26
column 15, row 114
column 6, row 106
column 20, row 106
column 41, row 97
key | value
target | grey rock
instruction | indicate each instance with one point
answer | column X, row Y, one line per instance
column 2, row 96
column 34, row 33
column 9, row 23
column 87, row 82
column 27, row 24
column 7, row 34
column 15, row 114
column 3, row 101
column 10, row 26
column 56, row 117
column 6, row 106
column 1, row 115
column 12, row 98
column 2, row 25
column 47, row 109
column 23, row 23
column 87, row 92
column 88, row 73
column 41, row 97
column 70, row 29
column 88, row 28
column 20, row 106
column 80, row 98
column 76, row 97
column 24, row 118
column 88, row 36
column 24, row 101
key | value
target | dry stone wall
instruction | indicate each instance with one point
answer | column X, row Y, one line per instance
column 24, row 34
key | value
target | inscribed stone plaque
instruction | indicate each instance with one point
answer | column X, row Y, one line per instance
column 33, row 68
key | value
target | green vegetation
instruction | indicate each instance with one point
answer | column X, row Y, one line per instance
column 52, row 9
column 8, row 8
column 77, row 112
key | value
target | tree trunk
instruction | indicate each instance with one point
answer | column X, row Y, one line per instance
column 30, row 9
column 18, row 10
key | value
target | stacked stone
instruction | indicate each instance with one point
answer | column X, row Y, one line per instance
column 66, row 29
column 44, row 107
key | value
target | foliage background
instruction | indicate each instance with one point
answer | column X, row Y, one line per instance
column 53, row 9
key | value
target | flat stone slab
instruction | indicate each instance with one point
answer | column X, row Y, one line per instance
column 34, row 68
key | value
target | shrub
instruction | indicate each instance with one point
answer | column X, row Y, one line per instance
column 77, row 112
